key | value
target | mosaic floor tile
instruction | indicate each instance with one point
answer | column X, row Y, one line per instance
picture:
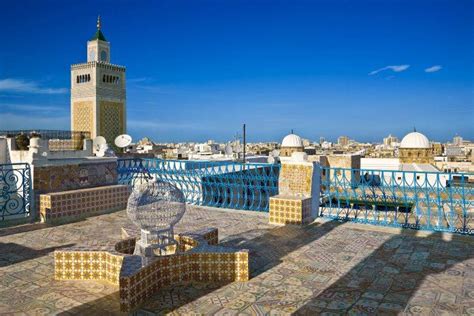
column 323, row 269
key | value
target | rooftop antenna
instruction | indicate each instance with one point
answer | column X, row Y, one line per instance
column 228, row 150
column 245, row 140
column 98, row 22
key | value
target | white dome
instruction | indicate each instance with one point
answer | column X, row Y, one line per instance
column 415, row 140
column 292, row 140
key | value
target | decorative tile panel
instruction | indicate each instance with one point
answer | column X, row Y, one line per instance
column 298, row 186
column 290, row 210
column 76, row 204
column 295, row 179
column 74, row 176
column 201, row 259
column 111, row 122
column 83, row 116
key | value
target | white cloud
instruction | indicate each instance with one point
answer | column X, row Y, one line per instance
column 434, row 68
column 18, row 85
column 26, row 121
column 395, row 68
column 9, row 107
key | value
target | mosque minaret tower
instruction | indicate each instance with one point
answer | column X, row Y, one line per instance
column 98, row 96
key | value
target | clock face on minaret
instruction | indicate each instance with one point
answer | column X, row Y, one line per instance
column 103, row 56
column 92, row 55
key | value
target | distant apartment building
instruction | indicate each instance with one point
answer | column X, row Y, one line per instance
column 390, row 140
column 343, row 141
column 457, row 140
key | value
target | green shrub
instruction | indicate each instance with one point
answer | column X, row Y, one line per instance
column 22, row 141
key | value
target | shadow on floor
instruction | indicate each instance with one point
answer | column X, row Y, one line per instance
column 386, row 281
column 11, row 253
column 268, row 249
column 11, row 230
column 106, row 305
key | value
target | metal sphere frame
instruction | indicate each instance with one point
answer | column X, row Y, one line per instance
column 156, row 207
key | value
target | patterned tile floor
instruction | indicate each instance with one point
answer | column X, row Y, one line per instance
column 326, row 268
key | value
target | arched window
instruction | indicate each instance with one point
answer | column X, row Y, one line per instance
column 77, row 79
column 103, row 78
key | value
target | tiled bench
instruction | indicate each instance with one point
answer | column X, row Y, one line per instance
column 77, row 204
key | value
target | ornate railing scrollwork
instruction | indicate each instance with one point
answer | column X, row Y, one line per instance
column 15, row 191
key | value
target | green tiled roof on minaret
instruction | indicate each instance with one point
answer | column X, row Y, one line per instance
column 98, row 35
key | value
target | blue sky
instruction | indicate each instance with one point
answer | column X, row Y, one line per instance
column 197, row 70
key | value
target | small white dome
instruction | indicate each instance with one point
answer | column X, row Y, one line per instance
column 415, row 140
column 292, row 140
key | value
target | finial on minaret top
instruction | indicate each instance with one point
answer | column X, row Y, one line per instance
column 414, row 128
column 98, row 22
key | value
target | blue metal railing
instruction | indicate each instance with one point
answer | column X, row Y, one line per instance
column 421, row 200
column 219, row 184
column 15, row 191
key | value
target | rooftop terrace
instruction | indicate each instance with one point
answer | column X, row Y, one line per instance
column 323, row 267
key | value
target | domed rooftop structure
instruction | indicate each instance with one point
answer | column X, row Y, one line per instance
column 415, row 140
column 292, row 140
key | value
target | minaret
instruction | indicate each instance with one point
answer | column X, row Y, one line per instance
column 98, row 97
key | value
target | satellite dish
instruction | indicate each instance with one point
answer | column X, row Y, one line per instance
column 228, row 150
column 102, row 148
column 97, row 142
column 123, row 140
column 275, row 153
column 238, row 148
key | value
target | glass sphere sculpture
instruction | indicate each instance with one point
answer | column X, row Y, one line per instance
column 155, row 207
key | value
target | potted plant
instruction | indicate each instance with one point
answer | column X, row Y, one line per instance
column 22, row 141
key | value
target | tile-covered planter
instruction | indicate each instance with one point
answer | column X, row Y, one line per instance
column 199, row 259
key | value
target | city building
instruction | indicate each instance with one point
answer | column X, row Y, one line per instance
column 457, row 140
column 343, row 141
column 390, row 141
column 98, row 93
